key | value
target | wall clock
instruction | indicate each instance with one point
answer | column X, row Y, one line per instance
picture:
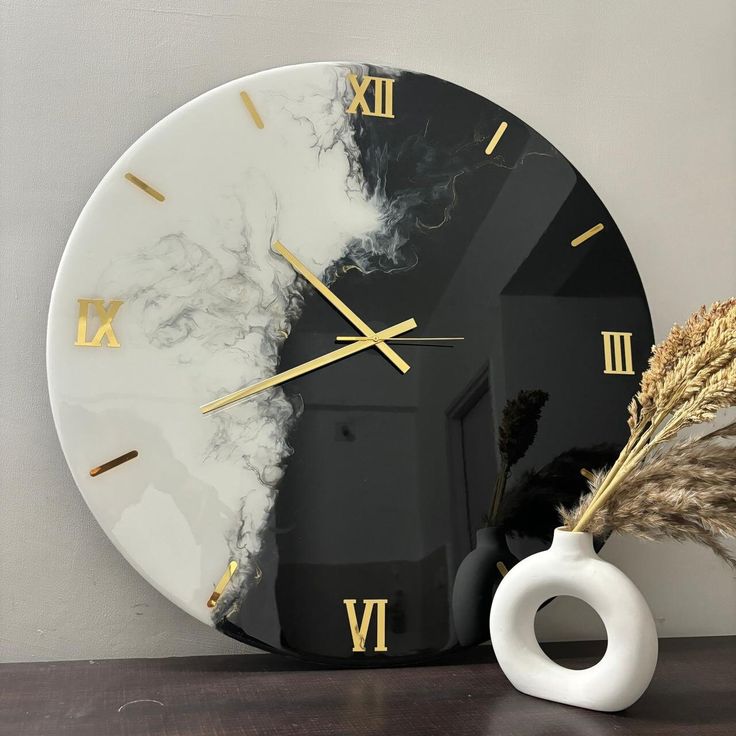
column 254, row 362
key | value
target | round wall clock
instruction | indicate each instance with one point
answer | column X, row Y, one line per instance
column 320, row 332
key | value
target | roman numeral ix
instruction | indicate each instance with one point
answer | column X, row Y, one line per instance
column 105, row 315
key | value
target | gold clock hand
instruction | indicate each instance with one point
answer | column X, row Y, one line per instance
column 361, row 338
column 310, row 365
column 341, row 307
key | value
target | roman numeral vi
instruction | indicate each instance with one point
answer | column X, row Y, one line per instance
column 360, row 633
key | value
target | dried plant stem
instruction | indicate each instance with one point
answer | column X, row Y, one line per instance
column 501, row 479
column 634, row 451
column 685, row 491
column 615, row 475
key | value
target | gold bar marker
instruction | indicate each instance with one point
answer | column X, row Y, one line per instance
column 496, row 138
column 224, row 580
column 587, row 234
column 502, row 568
column 251, row 109
column 110, row 464
column 147, row 188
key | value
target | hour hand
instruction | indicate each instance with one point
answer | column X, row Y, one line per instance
column 341, row 307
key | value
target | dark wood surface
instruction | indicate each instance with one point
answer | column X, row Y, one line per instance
column 693, row 692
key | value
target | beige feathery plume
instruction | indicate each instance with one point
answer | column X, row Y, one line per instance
column 686, row 491
column 682, row 364
column 691, row 375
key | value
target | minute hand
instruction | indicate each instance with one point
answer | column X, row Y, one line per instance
column 340, row 305
column 311, row 365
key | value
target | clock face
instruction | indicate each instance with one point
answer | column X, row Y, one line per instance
column 320, row 326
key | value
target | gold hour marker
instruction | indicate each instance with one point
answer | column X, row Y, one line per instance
column 110, row 464
column 617, row 353
column 359, row 633
column 502, row 568
column 587, row 234
column 496, row 138
column 383, row 96
column 224, row 580
column 105, row 316
column 147, row 188
column 257, row 119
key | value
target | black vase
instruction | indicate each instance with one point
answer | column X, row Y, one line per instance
column 475, row 583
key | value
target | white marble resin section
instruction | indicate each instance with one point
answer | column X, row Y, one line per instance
column 207, row 305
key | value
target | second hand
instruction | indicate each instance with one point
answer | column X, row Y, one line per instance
column 361, row 338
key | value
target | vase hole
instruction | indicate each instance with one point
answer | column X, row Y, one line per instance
column 572, row 621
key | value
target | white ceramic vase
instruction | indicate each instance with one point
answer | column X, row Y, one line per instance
column 571, row 567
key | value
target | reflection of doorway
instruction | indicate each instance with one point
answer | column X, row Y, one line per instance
column 473, row 452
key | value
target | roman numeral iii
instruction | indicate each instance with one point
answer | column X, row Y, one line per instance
column 105, row 316
column 617, row 353
column 360, row 633
column 383, row 96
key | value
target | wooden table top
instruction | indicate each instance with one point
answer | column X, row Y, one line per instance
column 693, row 692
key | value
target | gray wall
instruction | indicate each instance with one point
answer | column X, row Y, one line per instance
column 640, row 96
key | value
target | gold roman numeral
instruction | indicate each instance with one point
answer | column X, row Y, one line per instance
column 383, row 96
column 617, row 353
column 360, row 633
column 105, row 315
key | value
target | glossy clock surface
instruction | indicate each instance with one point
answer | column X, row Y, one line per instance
column 327, row 515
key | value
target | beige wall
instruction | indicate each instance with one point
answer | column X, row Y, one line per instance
column 641, row 96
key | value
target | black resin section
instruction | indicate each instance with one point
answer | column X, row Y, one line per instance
column 392, row 475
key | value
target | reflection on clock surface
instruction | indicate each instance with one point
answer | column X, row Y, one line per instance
column 392, row 475
column 376, row 481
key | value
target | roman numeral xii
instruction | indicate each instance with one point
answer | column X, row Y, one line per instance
column 383, row 96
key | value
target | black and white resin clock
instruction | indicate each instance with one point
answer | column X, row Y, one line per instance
column 255, row 362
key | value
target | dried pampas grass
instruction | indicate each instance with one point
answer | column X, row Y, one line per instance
column 685, row 490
